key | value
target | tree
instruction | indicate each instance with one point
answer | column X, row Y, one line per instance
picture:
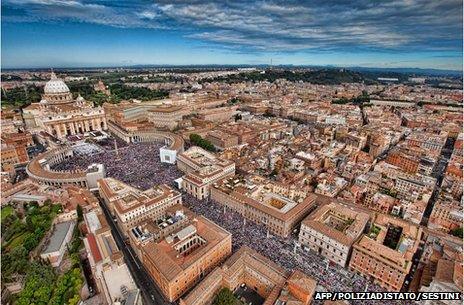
column 457, row 232
column 203, row 143
column 39, row 285
column 225, row 297
column 80, row 214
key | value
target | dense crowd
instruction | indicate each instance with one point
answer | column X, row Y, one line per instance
column 138, row 164
column 283, row 251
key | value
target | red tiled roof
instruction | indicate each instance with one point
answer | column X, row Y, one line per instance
column 94, row 248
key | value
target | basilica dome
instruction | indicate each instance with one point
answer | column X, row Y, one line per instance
column 55, row 85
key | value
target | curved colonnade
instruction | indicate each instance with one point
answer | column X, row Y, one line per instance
column 39, row 168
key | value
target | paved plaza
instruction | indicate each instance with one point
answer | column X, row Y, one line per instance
column 137, row 164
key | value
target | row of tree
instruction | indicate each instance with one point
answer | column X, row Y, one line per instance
column 197, row 140
column 321, row 76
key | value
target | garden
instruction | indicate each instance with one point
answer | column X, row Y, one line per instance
column 22, row 232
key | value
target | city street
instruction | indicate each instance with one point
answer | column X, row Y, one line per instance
column 438, row 172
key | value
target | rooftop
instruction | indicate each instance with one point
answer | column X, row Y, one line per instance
column 59, row 233
column 391, row 240
column 167, row 255
column 338, row 222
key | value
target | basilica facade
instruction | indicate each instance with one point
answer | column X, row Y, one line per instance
column 60, row 115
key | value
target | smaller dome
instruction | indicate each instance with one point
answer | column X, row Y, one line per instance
column 55, row 85
column 80, row 98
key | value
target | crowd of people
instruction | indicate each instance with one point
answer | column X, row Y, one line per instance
column 283, row 251
column 137, row 164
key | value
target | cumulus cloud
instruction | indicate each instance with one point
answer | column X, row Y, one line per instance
column 272, row 25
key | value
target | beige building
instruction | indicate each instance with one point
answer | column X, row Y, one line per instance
column 202, row 170
column 220, row 114
column 247, row 267
column 222, row 140
column 132, row 206
column 279, row 208
column 184, row 257
column 166, row 117
column 60, row 115
column 386, row 253
column 173, row 219
column 331, row 231
column 447, row 213
column 57, row 243
column 9, row 158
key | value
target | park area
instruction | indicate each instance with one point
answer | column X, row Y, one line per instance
column 22, row 233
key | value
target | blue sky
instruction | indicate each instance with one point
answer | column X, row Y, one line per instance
column 75, row 33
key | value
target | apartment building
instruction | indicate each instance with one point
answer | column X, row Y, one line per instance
column 184, row 257
column 331, row 231
column 278, row 208
column 202, row 170
column 131, row 206
column 386, row 253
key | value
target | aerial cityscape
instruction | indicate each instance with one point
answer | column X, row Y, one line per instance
column 231, row 153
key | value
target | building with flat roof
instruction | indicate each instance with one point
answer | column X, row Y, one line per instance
column 56, row 246
column 202, row 169
column 386, row 253
column 331, row 231
column 119, row 286
column 131, row 205
column 222, row 140
column 174, row 218
column 167, row 117
column 247, row 268
column 186, row 255
column 220, row 114
column 278, row 207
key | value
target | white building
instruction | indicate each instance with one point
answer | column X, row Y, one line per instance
column 331, row 231
column 60, row 115
column 168, row 155
column 56, row 247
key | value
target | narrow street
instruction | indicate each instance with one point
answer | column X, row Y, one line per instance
column 438, row 173
column 150, row 292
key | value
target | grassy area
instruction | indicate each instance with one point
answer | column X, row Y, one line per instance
column 7, row 211
column 16, row 241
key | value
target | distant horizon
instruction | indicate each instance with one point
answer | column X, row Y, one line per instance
column 100, row 33
column 130, row 65
column 413, row 70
